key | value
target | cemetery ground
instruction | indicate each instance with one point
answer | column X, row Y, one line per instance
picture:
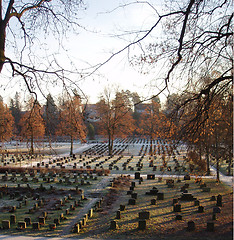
column 129, row 195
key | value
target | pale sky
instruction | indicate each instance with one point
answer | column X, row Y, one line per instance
column 96, row 45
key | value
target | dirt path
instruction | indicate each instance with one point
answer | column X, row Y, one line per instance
column 85, row 209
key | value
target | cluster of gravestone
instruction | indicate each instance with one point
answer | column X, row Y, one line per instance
column 102, row 149
column 12, row 159
column 36, row 212
column 37, row 176
column 177, row 203
column 83, row 221
column 188, row 197
column 157, row 148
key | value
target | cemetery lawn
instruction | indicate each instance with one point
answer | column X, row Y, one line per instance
column 162, row 223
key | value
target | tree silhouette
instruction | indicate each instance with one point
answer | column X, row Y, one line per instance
column 22, row 24
column 32, row 124
column 6, row 123
column 71, row 120
column 116, row 119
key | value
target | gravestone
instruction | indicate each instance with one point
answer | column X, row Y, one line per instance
column 153, row 201
column 219, row 201
column 160, row 196
column 52, row 226
column 76, row 228
column 132, row 201
column 41, row 220
column 177, row 208
column 113, row 225
column 22, row 225
column 187, row 197
column 12, row 219
column 90, row 214
column 28, row 221
column 6, row 224
column 122, row 207
column 187, row 177
column 213, row 198
column 142, row 224
column 200, row 209
column 196, row 203
column 35, row 226
column 150, row 176
column 118, row 215
column 144, row 215
column 191, row 226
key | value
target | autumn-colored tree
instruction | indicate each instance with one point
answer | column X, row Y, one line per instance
column 206, row 122
column 115, row 114
column 32, row 124
column 6, row 123
column 71, row 120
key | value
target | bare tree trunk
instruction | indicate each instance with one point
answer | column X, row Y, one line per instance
column 151, row 145
column 207, row 162
column 32, row 148
column 71, row 149
column 229, row 162
column 2, row 44
column 110, row 145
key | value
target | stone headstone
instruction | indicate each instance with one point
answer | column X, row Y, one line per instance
column 122, row 207
column 191, row 226
column 118, row 215
column 196, row 203
column 12, row 219
column 52, row 226
column 137, row 175
column 200, row 209
column 219, row 201
column 142, row 224
column 153, row 201
column 41, row 220
column 28, row 221
column 22, row 225
column 160, row 196
column 113, row 225
column 35, row 226
column 177, row 208
column 6, row 224
column 144, row 215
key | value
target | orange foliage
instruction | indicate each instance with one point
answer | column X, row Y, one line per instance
column 71, row 120
column 6, row 122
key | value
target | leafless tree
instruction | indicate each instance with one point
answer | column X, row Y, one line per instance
column 23, row 24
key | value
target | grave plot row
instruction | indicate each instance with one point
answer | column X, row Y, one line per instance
column 82, row 222
column 42, row 213
column 160, row 200
column 78, row 179
column 18, row 159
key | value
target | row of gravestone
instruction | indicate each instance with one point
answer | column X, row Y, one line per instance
column 83, row 221
column 176, row 208
column 6, row 224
